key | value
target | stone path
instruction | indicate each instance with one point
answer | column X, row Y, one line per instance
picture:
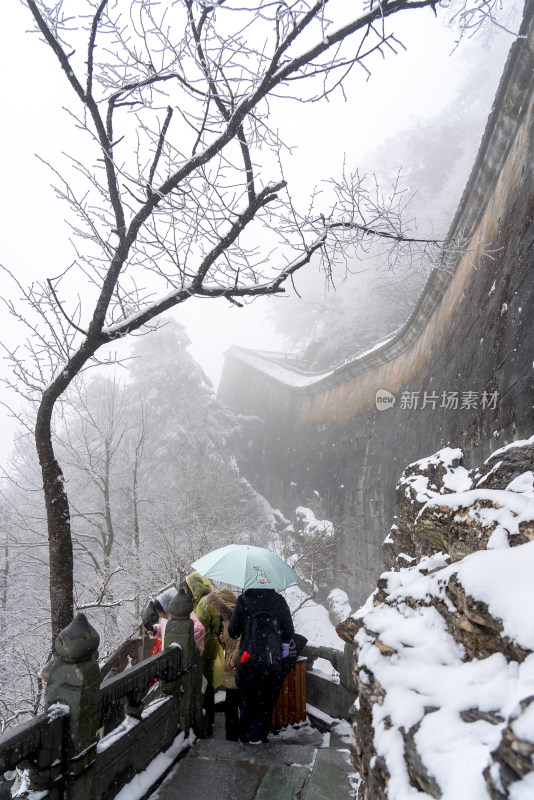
column 295, row 764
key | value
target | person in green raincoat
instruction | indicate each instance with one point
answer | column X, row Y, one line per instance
column 198, row 588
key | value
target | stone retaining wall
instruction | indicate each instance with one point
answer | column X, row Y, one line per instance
column 472, row 332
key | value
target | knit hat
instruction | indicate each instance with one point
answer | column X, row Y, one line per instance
column 165, row 598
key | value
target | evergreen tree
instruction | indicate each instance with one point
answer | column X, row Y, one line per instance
column 195, row 499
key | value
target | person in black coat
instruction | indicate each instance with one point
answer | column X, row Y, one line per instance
column 263, row 621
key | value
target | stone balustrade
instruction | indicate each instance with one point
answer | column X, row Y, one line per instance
column 333, row 696
column 94, row 737
column 39, row 745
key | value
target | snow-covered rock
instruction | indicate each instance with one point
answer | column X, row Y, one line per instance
column 445, row 645
column 338, row 603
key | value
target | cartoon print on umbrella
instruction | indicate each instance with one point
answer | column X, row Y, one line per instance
column 261, row 576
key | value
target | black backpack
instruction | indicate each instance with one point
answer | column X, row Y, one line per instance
column 263, row 639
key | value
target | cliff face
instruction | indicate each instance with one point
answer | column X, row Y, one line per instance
column 460, row 370
column 444, row 656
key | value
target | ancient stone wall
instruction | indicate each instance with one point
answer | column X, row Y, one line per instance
column 461, row 369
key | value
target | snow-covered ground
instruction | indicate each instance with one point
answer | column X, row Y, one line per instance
column 311, row 619
column 139, row 785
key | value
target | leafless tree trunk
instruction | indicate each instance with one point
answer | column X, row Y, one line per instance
column 58, row 519
column 5, row 572
column 136, row 465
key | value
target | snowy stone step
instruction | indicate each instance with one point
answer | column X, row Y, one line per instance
column 276, row 752
column 296, row 763
column 283, row 782
column 228, row 770
column 329, row 779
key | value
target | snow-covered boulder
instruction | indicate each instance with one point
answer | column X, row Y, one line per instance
column 444, row 657
column 422, row 482
column 309, row 527
column 444, row 508
column 338, row 604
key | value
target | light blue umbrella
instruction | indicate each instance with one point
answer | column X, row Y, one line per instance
column 246, row 566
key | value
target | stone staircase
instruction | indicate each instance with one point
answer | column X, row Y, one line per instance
column 300, row 763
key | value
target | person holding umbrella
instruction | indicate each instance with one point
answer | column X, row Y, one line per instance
column 262, row 619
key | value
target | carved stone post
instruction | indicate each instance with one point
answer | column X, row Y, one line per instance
column 75, row 681
column 188, row 694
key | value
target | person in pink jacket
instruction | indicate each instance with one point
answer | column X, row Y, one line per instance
column 161, row 606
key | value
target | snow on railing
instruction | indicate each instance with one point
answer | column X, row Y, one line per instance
column 97, row 736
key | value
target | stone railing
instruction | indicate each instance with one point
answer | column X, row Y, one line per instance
column 39, row 744
column 333, row 696
column 96, row 736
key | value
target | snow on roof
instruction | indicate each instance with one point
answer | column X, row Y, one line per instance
column 280, row 366
column 285, row 373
